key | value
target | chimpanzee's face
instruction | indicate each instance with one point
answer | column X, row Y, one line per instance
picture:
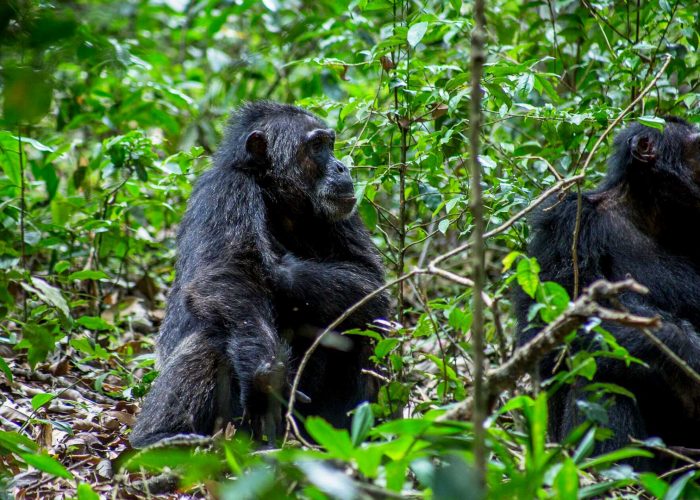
column 296, row 152
column 329, row 183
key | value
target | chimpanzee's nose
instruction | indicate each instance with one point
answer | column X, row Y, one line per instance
column 345, row 188
column 340, row 167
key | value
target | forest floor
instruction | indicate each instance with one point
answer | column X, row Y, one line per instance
column 60, row 408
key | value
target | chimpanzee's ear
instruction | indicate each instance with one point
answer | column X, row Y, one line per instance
column 643, row 148
column 256, row 144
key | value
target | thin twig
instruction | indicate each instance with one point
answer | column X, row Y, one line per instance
column 674, row 357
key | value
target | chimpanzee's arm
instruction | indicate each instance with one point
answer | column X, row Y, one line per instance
column 236, row 300
column 319, row 291
column 324, row 290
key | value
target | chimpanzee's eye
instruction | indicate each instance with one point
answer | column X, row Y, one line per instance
column 317, row 145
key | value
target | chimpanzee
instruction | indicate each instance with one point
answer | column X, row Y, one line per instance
column 639, row 223
column 270, row 252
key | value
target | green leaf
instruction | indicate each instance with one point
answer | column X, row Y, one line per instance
column 585, row 447
column 15, row 442
column 460, row 320
column 93, row 323
column 255, row 484
column 85, row 492
column 527, row 274
column 566, row 482
column 336, row 441
column 47, row 464
column 653, row 122
column 385, row 346
column 554, row 297
column 402, row 427
column 416, row 33
column 368, row 459
column 61, row 266
column 9, row 162
column 48, row 294
column 509, row 259
column 38, row 341
column 41, row 399
column 368, row 214
column 678, row 486
column 653, row 484
column 5, row 368
column 362, row 422
column 616, row 456
column 87, row 274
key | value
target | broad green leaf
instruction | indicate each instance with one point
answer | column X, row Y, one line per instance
column 41, row 399
column 653, row 122
column 416, row 33
column 38, row 341
column 385, row 346
column 49, row 294
column 527, row 274
column 93, row 323
column 15, row 442
column 251, row 485
column 336, row 441
column 509, row 259
column 460, row 320
column 362, row 422
column 678, row 486
column 554, row 297
column 47, row 464
column 85, row 492
column 368, row 214
column 653, row 484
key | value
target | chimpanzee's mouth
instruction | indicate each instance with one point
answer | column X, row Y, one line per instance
column 346, row 199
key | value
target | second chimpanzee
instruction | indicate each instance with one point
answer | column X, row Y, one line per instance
column 641, row 222
column 270, row 253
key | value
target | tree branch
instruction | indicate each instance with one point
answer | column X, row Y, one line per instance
column 526, row 357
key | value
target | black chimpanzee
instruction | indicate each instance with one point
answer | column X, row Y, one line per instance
column 270, row 253
column 638, row 223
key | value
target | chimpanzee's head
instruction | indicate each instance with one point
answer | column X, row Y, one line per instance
column 291, row 152
column 666, row 164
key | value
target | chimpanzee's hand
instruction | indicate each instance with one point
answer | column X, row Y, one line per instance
column 268, row 383
column 271, row 385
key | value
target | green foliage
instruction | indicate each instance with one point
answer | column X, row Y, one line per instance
column 111, row 109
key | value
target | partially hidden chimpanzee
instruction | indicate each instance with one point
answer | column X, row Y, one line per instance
column 639, row 222
column 270, row 252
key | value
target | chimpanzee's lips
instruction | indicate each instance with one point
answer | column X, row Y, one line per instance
column 347, row 199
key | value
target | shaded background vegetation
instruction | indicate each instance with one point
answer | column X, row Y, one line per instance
column 111, row 109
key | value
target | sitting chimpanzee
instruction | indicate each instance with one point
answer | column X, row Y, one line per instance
column 638, row 223
column 270, row 253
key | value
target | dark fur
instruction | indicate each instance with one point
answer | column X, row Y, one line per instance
column 641, row 222
column 267, row 259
